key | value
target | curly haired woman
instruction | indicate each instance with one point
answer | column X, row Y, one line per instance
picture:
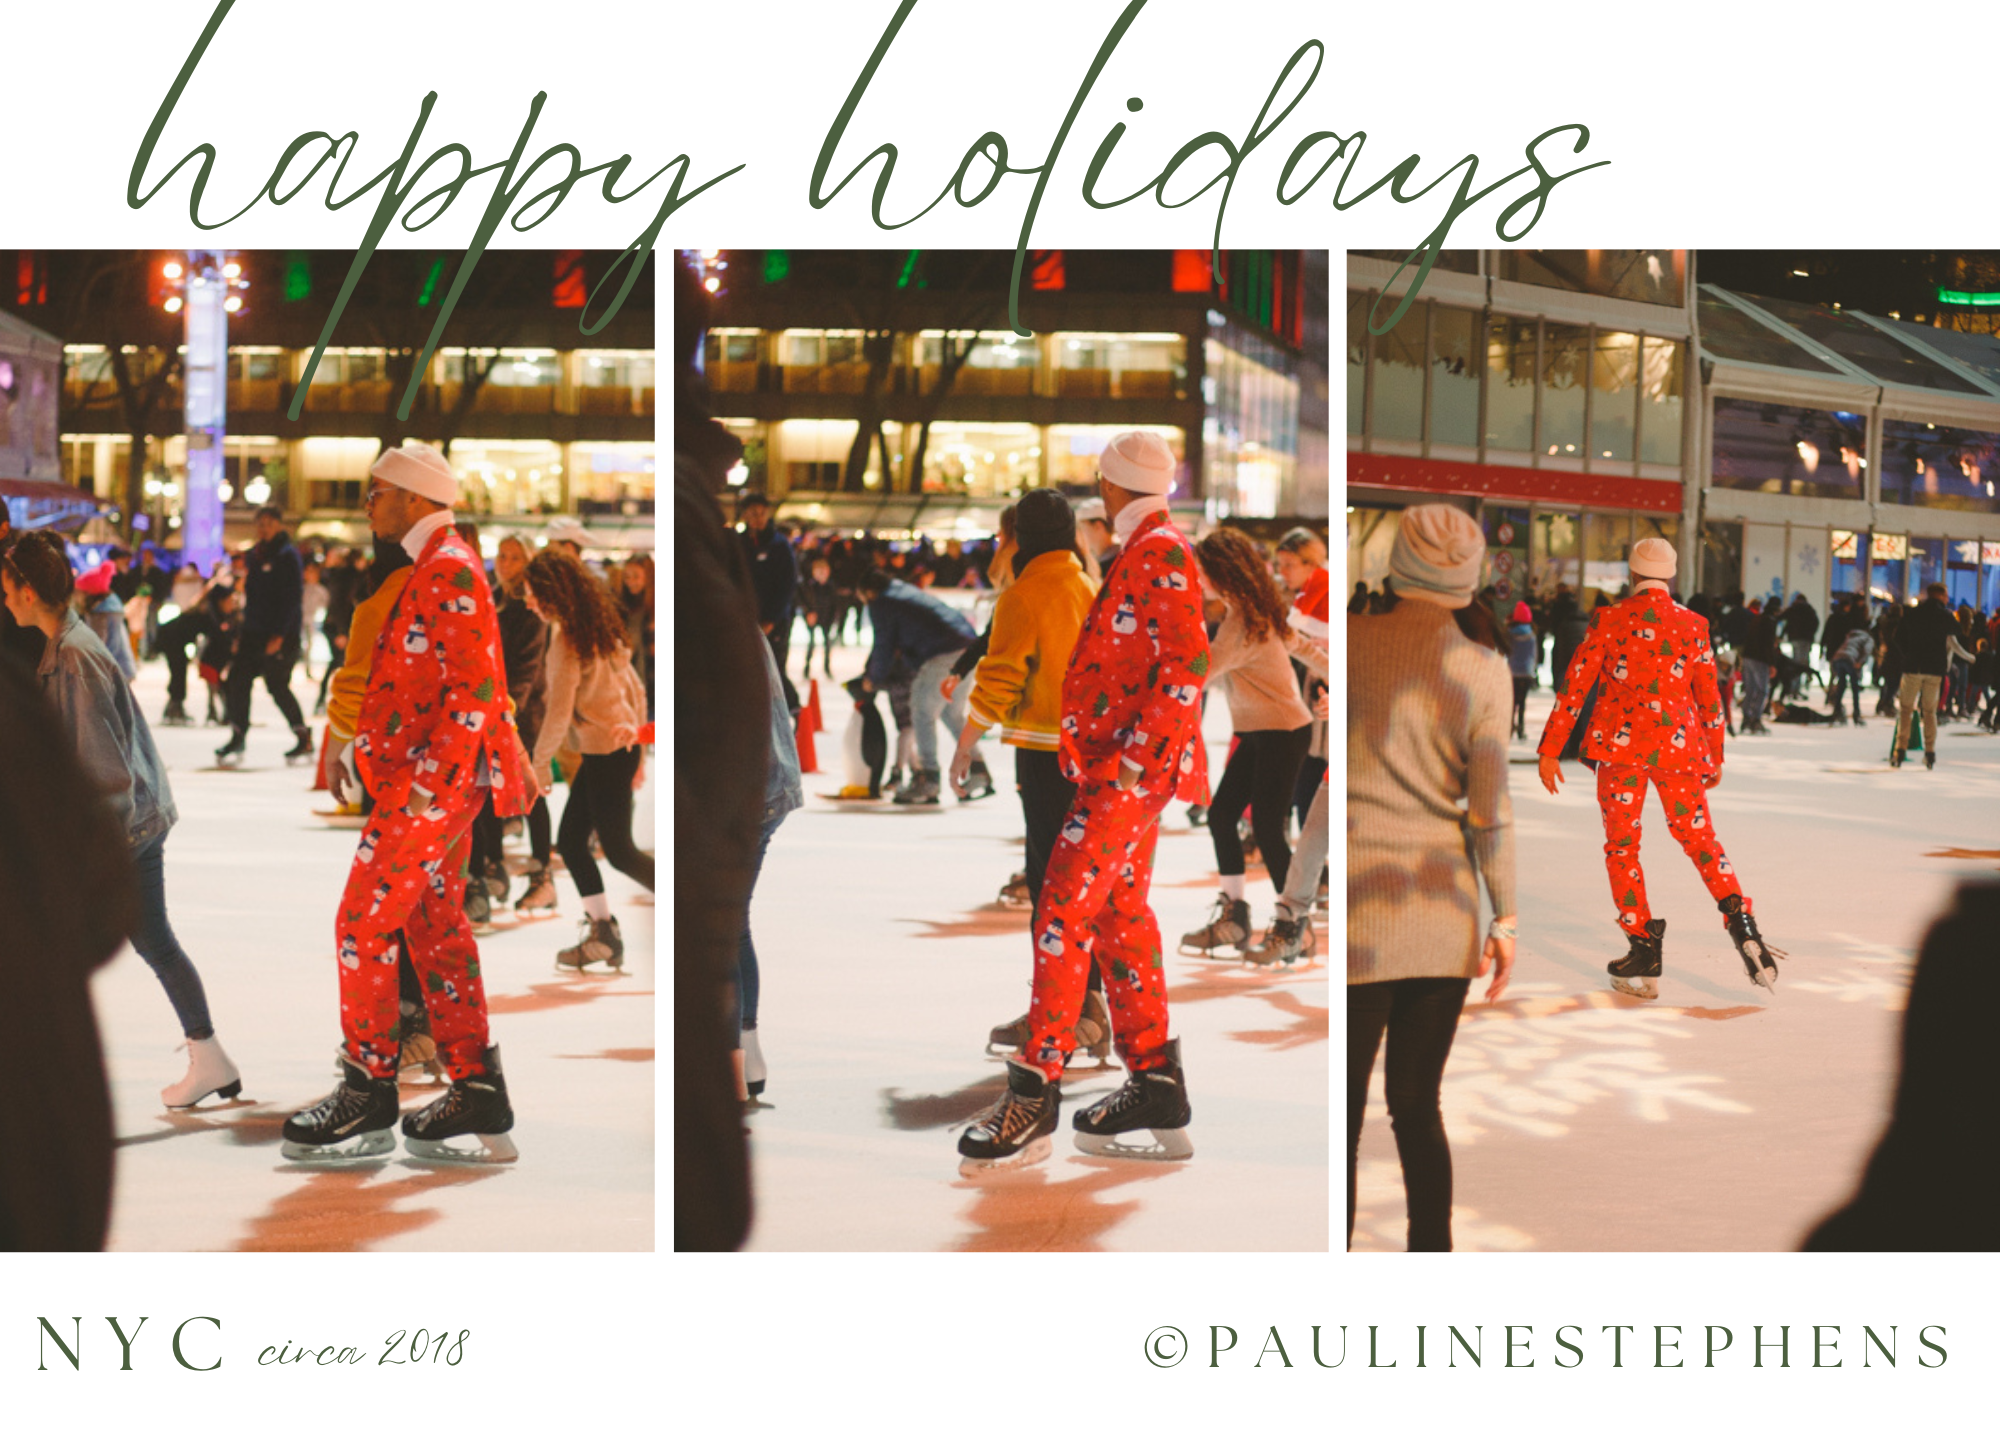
column 1251, row 650
column 596, row 704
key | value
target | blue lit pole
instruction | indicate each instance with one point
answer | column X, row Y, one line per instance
column 206, row 295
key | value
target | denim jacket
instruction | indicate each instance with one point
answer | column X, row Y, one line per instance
column 783, row 791
column 82, row 679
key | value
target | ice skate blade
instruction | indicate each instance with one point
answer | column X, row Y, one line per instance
column 1646, row 989
column 1033, row 1154
column 369, row 1143
column 494, row 1150
column 1169, row 1144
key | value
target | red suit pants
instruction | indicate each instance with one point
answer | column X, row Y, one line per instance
column 1094, row 905
column 408, row 878
column 1621, row 794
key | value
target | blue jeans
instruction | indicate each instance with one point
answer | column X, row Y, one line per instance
column 1845, row 677
column 927, row 705
column 748, row 984
column 154, row 941
column 1756, row 690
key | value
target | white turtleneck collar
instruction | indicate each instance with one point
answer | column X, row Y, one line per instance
column 1127, row 521
column 419, row 535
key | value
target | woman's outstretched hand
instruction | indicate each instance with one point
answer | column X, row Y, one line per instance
column 1496, row 957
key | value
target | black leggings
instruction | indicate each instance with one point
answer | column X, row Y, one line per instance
column 1420, row 1015
column 1045, row 800
column 1261, row 775
column 1521, row 684
column 600, row 799
column 489, row 833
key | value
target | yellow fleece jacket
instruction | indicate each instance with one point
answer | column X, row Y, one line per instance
column 350, row 681
column 1036, row 621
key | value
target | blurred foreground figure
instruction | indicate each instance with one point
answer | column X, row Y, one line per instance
column 66, row 883
column 1930, row 1183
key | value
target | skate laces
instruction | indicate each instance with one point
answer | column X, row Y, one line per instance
column 1008, row 1117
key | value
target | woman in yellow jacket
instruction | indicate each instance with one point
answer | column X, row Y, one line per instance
column 1018, row 686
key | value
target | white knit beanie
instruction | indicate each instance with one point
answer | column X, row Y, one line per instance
column 1653, row 560
column 1138, row 461
column 416, row 467
column 1437, row 555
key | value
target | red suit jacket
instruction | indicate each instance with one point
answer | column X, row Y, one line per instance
column 1133, row 687
column 436, row 690
column 1657, row 702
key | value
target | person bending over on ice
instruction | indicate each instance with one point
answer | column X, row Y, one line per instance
column 435, row 698
column 1130, row 740
column 1659, row 722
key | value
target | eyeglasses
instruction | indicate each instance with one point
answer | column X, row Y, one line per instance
column 373, row 492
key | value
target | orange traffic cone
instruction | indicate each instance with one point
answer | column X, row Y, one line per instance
column 812, row 708
column 808, row 757
column 319, row 779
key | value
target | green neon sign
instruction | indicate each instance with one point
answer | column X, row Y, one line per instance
column 1969, row 300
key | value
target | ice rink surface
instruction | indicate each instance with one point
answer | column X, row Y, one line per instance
column 253, row 878
column 1719, row 1117
column 885, row 962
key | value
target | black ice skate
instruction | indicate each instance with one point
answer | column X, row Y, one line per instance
column 175, row 714
column 356, row 1120
column 1153, row 1101
column 478, row 905
column 303, row 751
column 978, row 783
column 1637, row 973
column 1015, row 1132
column 476, row 1106
column 230, row 756
column 1759, row 957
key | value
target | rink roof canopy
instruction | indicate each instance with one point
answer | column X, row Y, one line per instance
column 1771, row 349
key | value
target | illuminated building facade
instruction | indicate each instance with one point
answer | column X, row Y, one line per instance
column 807, row 351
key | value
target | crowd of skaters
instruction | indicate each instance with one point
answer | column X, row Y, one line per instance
column 1930, row 662
column 1258, row 620
column 1640, row 697
column 537, row 665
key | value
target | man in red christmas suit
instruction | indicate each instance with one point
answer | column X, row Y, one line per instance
column 1659, row 722
column 436, row 695
column 1130, row 742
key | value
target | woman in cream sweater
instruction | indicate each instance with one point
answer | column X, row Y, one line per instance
column 1429, row 824
column 596, row 704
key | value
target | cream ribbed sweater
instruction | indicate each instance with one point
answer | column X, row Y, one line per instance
column 1427, row 723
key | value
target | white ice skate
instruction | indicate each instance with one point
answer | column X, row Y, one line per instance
column 209, row 1073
